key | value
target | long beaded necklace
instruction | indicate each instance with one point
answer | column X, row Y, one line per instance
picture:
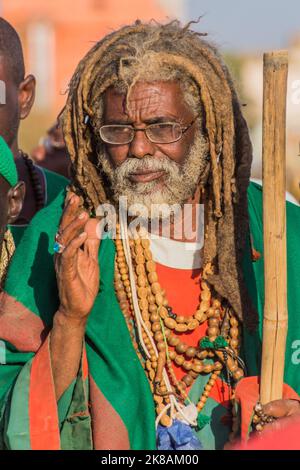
column 35, row 181
column 159, row 323
column 6, row 253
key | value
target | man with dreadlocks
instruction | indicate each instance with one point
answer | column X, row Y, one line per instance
column 151, row 116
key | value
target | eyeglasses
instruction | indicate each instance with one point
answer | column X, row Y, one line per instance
column 160, row 133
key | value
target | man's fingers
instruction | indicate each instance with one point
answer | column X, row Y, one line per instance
column 92, row 228
column 69, row 195
column 68, row 255
column 281, row 408
column 91, row 247
column 276, row 408
column 277, row 425
column 70, row 212
column 73, row 229
column 92, row 243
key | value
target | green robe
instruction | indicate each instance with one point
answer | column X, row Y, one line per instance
column 109, row 405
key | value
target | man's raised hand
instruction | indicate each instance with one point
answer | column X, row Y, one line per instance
column 76, row 266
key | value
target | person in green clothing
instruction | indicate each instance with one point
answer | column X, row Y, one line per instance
column 152, row 115
column 12, row 194
column 41, row 185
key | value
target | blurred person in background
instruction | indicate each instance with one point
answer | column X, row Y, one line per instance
column 51, row 152
column 41, row 185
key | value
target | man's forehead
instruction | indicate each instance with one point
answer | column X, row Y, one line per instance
column 145, row 97
column 145, row 100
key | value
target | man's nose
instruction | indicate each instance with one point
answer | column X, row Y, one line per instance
column 141, row 145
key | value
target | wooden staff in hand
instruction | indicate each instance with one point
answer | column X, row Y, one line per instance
column 275, row 324
column 274, row 221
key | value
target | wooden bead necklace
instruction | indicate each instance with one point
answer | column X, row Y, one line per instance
column 160, row 320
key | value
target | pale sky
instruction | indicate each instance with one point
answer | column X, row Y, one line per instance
column 253, row 25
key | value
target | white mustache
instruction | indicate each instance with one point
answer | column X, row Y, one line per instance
column 148, row 163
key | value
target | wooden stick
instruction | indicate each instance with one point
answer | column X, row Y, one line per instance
column 274, row 220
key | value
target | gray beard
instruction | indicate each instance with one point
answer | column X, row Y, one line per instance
column 179, row 183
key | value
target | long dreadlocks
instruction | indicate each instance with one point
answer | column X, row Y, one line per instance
column 164, row 52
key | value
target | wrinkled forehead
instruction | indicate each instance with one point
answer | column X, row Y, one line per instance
column 147, row 100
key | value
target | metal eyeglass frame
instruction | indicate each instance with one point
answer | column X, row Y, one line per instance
column 144, row 129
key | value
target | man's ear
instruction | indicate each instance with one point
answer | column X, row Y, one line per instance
column 26, row 96
column 16, row 197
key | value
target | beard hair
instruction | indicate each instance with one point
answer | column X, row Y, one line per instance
column 179, row 183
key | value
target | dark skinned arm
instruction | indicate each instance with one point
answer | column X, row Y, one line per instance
column 77, row 272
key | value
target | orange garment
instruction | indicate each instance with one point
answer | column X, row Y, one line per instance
column 182, row 287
